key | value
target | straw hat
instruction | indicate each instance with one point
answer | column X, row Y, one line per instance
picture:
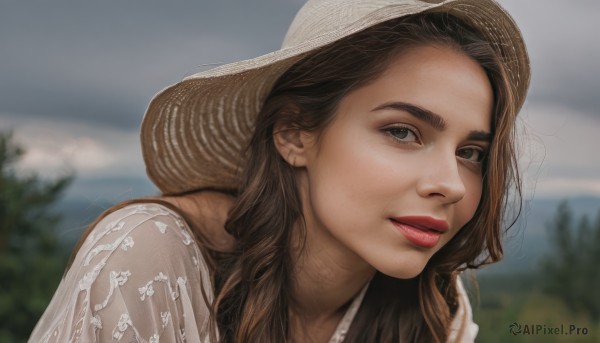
column 194, row 132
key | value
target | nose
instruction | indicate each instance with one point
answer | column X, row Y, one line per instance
column 442, row 180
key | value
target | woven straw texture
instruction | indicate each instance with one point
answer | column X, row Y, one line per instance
column 194, row 132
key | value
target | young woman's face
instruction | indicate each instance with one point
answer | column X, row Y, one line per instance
column 398, row 171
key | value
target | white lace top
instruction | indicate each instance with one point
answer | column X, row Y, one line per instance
column 140, row 276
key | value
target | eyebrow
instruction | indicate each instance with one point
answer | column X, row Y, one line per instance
column 435, row 120
column 482, row 136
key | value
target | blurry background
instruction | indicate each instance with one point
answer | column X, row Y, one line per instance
column 76, row 77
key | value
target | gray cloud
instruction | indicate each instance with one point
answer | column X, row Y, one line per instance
column 85, row 71
column 564, row 51
column 103, row 61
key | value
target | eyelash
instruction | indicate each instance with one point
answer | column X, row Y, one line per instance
column 389, row 131
column 480, row 158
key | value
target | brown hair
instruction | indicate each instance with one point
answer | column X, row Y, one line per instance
column 253, row 283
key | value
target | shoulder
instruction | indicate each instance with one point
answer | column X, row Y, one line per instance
column 207, row 212
column 139, row 275
column 145, row 241
column 147, row 244
column 153, row 224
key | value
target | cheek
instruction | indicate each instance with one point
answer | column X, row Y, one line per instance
column 469, row 204
column 347, row 179
column 334, row 176
column 352, row 171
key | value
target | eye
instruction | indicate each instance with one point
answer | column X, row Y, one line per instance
column 472, row 154
column 402, row 134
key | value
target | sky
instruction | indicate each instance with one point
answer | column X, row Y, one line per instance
column 76, row 77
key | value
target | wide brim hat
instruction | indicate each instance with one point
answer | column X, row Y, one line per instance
column 194, row 133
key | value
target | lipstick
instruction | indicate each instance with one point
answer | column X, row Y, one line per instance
column 421, row 231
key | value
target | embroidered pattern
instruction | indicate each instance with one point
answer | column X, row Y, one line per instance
column 165, row 317
column 127, row 243
column 116, row 279
column 162, row 227
column 104, row 294
column 144, row 303
column 123, row 324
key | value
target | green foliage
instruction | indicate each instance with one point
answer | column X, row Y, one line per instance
column 31, row 258
column 571, row 269
column 563, row 291
column 526, row 305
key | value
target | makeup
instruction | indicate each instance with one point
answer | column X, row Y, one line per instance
column 421, row 231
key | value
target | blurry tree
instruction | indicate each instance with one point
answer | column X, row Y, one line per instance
column 31, row 258
column 572, row 268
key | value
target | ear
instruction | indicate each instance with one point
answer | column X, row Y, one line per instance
column 292, row 143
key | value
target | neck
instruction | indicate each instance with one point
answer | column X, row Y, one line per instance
column 327, row 276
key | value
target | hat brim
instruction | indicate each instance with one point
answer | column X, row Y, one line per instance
column 194, row 133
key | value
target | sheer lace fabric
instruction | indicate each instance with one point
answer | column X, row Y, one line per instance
column 140, row 277
column 137, row 278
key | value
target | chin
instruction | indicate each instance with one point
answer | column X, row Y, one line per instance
column 408, row 271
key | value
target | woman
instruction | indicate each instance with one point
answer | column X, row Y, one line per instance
column 378, row 162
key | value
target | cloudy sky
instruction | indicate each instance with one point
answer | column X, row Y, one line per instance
column 76, row 77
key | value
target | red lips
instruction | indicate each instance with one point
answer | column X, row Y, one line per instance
column 424, row 223
column 421, row 231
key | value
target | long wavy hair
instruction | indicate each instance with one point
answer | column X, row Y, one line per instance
column 253, row 285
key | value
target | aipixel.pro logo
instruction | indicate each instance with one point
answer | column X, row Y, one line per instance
column 543, row 329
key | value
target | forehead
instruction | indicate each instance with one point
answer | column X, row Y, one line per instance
column 439, row 79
